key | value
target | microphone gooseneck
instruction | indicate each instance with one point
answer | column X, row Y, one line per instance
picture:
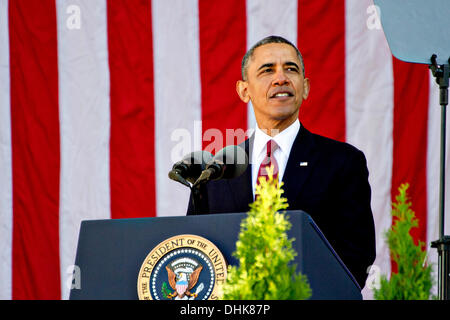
column 188, row 170
column 228, row 163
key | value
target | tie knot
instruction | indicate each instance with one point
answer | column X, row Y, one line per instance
column 271, row 147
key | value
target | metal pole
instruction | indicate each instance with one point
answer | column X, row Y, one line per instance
column 442, row 73
column 442, row 247
column 442, row 174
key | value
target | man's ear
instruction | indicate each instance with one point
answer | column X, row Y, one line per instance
column 242, row 90
column 305, row 88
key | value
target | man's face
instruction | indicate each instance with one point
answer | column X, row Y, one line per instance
column 275, row 85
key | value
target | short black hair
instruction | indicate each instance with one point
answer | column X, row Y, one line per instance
column 267, row 40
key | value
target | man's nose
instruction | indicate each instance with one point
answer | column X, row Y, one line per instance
column 280, row 78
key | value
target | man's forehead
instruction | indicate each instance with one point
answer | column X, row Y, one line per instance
column 274, row 53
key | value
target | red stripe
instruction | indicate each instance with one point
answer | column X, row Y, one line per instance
column 35, row 149
column 321, row 40
column 222, row 46
column 411, row 90
column 132, row 160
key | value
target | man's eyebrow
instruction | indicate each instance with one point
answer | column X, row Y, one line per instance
column 266, row 65
column 269, row 65
column 290, row 63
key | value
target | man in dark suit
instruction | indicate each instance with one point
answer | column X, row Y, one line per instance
column 325, row 178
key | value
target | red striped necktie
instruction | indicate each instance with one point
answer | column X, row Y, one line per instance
column 268, row 161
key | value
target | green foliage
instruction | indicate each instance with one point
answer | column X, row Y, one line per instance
column 265, row 252
column 413, row 281
column 165, row 290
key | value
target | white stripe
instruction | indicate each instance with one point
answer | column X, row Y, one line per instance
column 84, row 122
column 269, row 17
column 5, row 160
column 369, row 114
column 177, row 96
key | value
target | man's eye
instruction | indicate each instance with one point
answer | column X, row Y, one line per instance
column 292, row 69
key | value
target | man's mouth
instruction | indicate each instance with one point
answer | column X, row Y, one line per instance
column 282, row 95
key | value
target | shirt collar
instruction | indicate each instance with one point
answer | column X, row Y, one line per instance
column 285, row 139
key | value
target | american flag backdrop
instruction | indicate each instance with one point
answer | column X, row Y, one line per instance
column 98, row 98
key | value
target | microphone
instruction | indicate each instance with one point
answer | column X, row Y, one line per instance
column 190, row 167
column 228, row 163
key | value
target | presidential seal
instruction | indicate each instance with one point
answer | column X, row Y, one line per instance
column 184, row 267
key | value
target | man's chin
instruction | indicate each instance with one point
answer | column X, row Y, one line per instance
column 285, row 115
column 281, row 122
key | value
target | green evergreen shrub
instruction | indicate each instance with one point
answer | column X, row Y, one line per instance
column 413, row 279
column 265, row 253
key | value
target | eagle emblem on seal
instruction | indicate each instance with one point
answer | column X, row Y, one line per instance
column 183, row 282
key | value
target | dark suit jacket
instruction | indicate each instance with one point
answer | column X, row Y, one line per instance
column 333, row 189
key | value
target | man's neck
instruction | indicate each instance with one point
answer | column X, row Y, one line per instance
column 272, row 128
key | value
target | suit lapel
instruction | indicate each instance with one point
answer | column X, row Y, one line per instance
column 300, row 164
column 241, row 187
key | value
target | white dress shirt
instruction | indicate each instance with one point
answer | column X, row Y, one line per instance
column 285, row 140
